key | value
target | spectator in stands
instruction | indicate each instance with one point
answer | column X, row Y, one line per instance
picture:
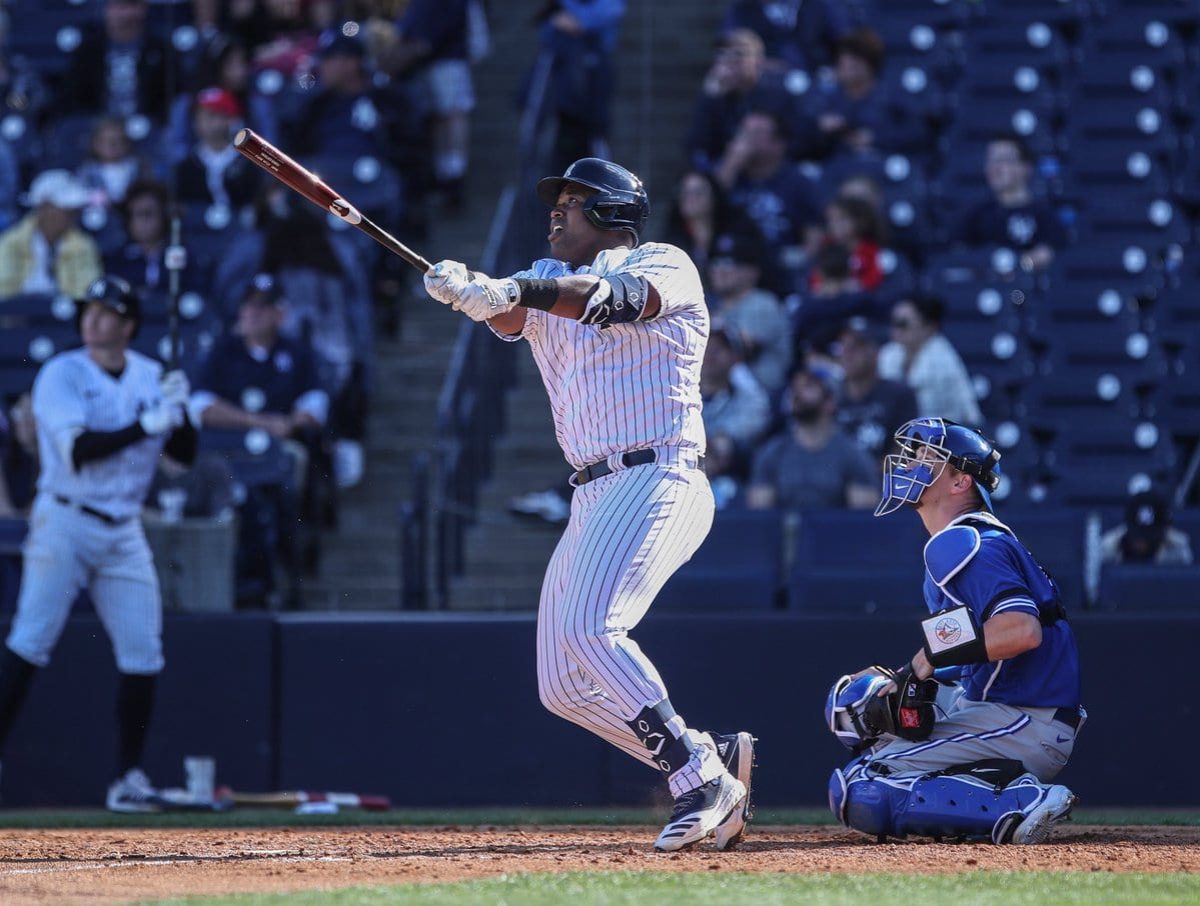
column 864, row 188
column 858, row 227
column 112, row 163
column 811, row 464
column 737, row 84
column 344, row 116
column 856, row 117
column 214, row 173
column 141, row 260
column 870, row 408
column 120, row 67
column 1013, row 216
column 699, row 214
column 255, row 377
column 920, row 356
column 834, row 294
column 735, row 271
column 225, row 64
column 581, row 35
column 1147, row 535
column 772, row 192
column 22, row 90
column 796, row 34
column 736, row 411
column 46, row 252
column 433, row 47
column 283, row 33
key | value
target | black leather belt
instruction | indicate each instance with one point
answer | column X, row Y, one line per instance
column 628, row 460
column 1068, row 716
column 91, row 511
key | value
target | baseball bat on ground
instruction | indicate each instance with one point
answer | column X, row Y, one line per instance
column 293, row 798
column 299, row 179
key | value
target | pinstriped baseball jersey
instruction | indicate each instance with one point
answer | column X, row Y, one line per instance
column 71, row 394
column 625, row 386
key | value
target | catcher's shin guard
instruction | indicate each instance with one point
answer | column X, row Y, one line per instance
column 937, row 806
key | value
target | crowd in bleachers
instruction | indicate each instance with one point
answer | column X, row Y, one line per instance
column 983, row 211
column 116, row 120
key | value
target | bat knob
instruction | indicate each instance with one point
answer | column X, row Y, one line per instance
column 240, row 138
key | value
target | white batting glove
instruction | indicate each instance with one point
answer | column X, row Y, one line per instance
column 161, row 418
column 174, row 387
column 446, row 280
column 485, row 298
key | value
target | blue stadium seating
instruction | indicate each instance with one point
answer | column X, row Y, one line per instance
column 1149, row 587
column 738, row 567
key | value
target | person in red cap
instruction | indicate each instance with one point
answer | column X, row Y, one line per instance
column 214, row 173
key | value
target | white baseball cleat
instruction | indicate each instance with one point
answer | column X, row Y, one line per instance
column 1039, row 823
column 737, row 752
column 698, row 813
column 133, row 793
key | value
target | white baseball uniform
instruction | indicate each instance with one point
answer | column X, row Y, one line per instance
column 84, row 528
column 613, row 390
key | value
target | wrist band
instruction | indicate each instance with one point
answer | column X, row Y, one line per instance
column 540, row 294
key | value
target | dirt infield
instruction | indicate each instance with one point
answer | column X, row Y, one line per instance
column 112, row 866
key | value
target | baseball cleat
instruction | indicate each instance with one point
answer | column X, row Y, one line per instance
column 1055, row 806
column 737, row 752
column 698, row 813
column 133, row 793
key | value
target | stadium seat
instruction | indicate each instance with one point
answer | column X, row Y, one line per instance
column 737, row 568
column 1148, row 587
column 850, row 560
column 1057, row 12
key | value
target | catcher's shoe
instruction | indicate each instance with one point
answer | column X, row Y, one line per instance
column 698, row 812
column 737, row 752
column 134, row 793
column 1037, row 826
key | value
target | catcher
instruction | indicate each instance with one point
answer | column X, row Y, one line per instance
column 965, row 739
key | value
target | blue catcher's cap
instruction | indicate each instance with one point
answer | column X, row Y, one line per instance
column 908, row 473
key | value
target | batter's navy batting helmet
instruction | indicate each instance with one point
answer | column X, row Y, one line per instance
column 927, row 445
column 114, row 293
column 619, row 203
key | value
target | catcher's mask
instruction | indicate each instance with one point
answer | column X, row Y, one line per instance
column 926, row 446
column 620, row 201
column 855, row 713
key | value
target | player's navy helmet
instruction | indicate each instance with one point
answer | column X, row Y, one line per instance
column 620, row 201
column 115, row 293
column 927, row 445
column 854, row 712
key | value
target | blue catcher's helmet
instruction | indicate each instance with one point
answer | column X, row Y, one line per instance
column 854, row 712
column 927, row 445
column 620, row 201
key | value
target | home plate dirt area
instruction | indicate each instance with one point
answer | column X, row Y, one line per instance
column 118, row 865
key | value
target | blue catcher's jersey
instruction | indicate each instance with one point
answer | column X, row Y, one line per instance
column 978, row 561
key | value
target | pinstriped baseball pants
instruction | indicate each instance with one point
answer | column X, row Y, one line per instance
column 628, row 533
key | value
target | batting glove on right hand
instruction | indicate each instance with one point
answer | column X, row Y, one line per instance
column 446, row 280
column 174, row 387
column 161, row 418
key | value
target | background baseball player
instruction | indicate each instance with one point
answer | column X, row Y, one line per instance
column 618, row 332
column 104, row 413
column 976, row 758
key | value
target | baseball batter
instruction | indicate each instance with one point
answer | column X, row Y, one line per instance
column 618, row 331
column 104, row 414
column 975, row 754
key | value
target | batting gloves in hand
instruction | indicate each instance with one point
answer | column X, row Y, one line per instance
column 174, row 387
column 446, row 280
column 161, row 418
column 484, row 298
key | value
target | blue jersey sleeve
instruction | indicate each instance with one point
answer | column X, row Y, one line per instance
column 992, row 582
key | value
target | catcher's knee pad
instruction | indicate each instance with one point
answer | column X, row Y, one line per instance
column 939, row 806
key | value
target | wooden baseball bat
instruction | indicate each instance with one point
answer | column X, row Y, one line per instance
column 262, row 153
column 293, row 798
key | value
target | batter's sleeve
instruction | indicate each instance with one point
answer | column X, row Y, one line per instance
column 670, row 271
column 58, row 405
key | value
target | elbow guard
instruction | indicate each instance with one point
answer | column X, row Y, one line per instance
column 617, row 299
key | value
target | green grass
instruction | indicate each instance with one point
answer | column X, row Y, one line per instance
column 482, row 817
column 662, row 889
